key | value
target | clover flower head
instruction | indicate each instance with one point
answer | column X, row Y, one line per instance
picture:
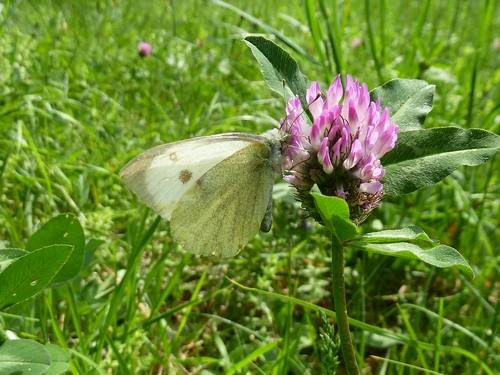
column 144, row 49
column 340, row 151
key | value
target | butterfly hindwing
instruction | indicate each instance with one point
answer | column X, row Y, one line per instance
column 231, row 199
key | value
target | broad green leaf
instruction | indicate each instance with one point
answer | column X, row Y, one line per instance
column 440, row 256
column 422, row 158
column 335, row 214
column 8, row 256
column 412, row 233
column 23, row 357
column 62, row 229
column 31, row 273
column 59, row 360
column 277, row 65
column 409, row 101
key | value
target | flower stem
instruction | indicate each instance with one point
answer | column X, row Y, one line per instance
column 339, row 301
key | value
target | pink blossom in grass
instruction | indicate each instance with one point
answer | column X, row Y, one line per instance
column 144, row 49
column 356, row 43
column 341, row 151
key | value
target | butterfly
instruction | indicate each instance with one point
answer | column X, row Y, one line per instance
column 215, row 190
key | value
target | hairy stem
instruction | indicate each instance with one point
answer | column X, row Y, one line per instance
column 341, row 306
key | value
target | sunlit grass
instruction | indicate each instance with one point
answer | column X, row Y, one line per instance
column 77, row 103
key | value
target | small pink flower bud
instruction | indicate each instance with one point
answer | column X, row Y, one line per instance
column 144, row 49
column 356, row 43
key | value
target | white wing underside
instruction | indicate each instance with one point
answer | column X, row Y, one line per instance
column 215, row 190
column 162, row 174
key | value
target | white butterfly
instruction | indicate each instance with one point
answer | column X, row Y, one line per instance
column 216, row 190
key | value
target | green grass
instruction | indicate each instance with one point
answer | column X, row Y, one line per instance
column 77, row 103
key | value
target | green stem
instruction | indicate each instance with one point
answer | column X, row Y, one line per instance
column 341, row 306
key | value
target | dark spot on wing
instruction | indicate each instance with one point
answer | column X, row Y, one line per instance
column 185, row 175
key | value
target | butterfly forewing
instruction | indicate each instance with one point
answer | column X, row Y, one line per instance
column 162, row 174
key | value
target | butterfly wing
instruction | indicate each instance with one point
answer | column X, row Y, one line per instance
column 222, row 211
column 161, row 175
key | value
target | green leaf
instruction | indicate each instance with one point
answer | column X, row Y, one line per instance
column 422, row 158
column 90, row 248
column 393, row 243
column 440, row 256
column 59, row 360
column 31, row 273
column 62, row 229
column 8, row 256
column 335, row 214
column 409, row 101
column 23, row 357
column 412, row 233
column 277, row 65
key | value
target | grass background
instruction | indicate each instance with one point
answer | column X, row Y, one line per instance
column 77, row 103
